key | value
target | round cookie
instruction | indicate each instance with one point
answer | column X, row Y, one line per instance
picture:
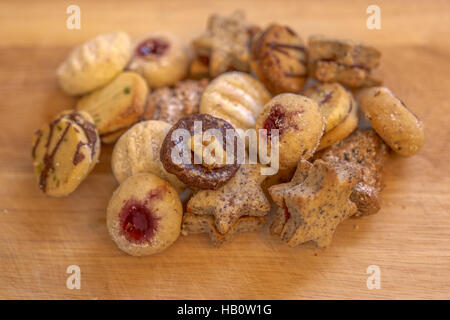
column 161, row 58
column 235, row 97
column 64, row 152
column 278, row 58
column 392, row 120
column 343, row 129
column 300, row 126
column 144, row 215
column 333, row 100
column 94, row 63
column 116, row 106
column 199, row 168
column 137, row 151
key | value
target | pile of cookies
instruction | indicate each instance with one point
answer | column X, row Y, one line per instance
column 234, row 77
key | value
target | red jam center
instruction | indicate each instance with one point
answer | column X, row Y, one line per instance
column 287, row 214
column 137, row 222
column 152, row 46
column 275, row 120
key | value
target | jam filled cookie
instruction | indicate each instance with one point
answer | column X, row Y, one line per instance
column 137, row 151
column 345, row 61
column 64, row 152
column 197, row 168
column 144, row 215
column 225, row 44
column 193, row 223
column 392, row 120
column 313, row 206
column 343, row 129
column 172, row 104
column 278, row 58
column 334, row 102
column 116, row 106
column 242, row 196
column 236, row 97
column 94, row 63
column 161, row 58
column 299, row 123
column 367, row 152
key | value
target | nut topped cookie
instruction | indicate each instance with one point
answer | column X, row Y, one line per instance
column 312, row 208
column 365, row 150
column 225, row 44
column 348, row 62
column 278, row 58
column 116, row 106
column 202, row 151
column 161, row 58
column 241, row 196
column 94, row 63
column 64, row 152
column 172, row 104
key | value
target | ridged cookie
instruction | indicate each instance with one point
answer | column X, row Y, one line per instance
column 94, row 63
column 138, row 151
column 235, row 97
column 64, row 152
column 116, row 106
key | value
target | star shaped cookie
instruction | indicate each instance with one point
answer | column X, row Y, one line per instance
column 195, row 223
column 241, row 196
column 225, row 43
column 314, row 202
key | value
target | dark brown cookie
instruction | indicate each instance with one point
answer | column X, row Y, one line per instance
column 200, row 169
column 278, row 58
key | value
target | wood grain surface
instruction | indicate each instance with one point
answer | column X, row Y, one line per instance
column 40, row 236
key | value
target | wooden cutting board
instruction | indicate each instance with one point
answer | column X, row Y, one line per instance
column 409, row 240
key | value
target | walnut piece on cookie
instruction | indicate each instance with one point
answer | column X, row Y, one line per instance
column 64, row 152
column 94, row 63
column 312, row 209
column 172, row 104
column 367, row 152
column 198, row 223
column 345, row 61
column 241, row 196
column 225, row 43
column 278, row 58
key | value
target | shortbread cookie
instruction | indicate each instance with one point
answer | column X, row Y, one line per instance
column 193, row 223
column 312, row 209
column 343, row 129
column 199, row 68
column 199, row 164
column 161, row 58
column 94, row 63
column 137, row 151
column 235, row 97
column 225, row 43
column 278, row 58
column 172, row 104
column 144, row 215
column 241, row 196
column 116, row 106
column 334, row 102
column 345, row 61
column 367, row 152
column 64, row 152
column 299, row 123
column 392, row 120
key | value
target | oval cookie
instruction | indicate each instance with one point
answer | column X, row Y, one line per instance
column 392, row 120
column 64, row 152
column 138, row 151
column 94, row 63
column 235, row 97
